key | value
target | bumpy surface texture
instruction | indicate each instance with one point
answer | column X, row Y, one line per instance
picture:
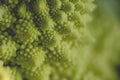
column 37, row 38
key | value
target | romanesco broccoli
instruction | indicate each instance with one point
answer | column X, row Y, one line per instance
column 37, row 36
column 41, row 40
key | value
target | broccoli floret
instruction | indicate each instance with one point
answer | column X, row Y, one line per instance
column 7, row 47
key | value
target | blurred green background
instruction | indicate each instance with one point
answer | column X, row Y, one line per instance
column 105, row 27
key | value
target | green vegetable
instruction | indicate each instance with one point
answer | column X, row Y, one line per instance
column 43, row 40
column 37, row 36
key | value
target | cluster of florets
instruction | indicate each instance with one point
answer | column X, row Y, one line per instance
column 37, row 36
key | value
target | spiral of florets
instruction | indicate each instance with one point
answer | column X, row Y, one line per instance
column 7, row 47
column 6, row 18
column 37, row 73
column 42, row 34
column 26, row 31
column 29, row 54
